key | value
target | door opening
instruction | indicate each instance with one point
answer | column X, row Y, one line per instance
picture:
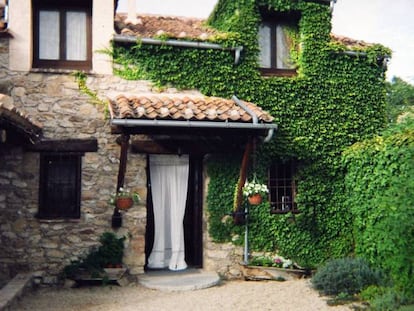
column 159, row 233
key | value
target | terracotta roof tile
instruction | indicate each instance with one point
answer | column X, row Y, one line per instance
column 17, row 119
column 350, row 43
column 176, row 107
column 149, row 26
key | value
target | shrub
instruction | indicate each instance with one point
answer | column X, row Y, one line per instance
column 344, row 276
column 385, row 298
column 108, row 254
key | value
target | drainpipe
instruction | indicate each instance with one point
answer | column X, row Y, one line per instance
column 270, row 132
column 201, row 45
column 247, row 109
column 269, row 135
column 5, row 4
column 331, row 5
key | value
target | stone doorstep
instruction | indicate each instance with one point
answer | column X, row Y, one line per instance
column 13, row 290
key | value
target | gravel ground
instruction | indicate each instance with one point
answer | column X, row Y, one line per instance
column 230, row 295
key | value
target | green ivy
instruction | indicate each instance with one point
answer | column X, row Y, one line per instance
column 335, row 100
column 380, row 193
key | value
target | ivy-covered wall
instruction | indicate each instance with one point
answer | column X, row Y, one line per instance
column 335, row 100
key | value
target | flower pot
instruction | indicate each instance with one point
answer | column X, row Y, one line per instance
column 255, row 199
column 124, row 203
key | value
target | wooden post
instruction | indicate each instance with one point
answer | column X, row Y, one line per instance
column 117, row 217
column 243, row 173
column 122, row 161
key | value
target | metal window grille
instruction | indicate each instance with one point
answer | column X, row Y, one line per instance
column 282, row 187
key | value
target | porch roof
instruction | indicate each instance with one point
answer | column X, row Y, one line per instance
column 17, row 124
column 182, row 110
column 197, row 124
column 187, row 111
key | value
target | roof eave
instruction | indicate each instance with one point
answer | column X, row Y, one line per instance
column 192, row 124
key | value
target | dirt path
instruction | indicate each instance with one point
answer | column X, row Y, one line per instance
column 232, row 295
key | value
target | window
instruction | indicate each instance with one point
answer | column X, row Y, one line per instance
column 60, row 186
column 278, row 44
column 282, row 187
column 62, row 34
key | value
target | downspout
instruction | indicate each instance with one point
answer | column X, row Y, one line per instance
column 247, row 109
column 270, row 132
column 331, row 5
column 201, row 45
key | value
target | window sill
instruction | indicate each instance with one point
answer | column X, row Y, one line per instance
column 58, row 71
column 278, row 211
column 53, row 221
column 272, row 72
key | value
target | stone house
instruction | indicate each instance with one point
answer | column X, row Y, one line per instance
column 73, row 132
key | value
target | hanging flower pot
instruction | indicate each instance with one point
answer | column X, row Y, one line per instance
column 254, row 192
column 124, row 199
column 124, row 203
column 255, row 199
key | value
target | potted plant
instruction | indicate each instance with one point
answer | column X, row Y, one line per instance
column 254, row 192
column 124, row 198
column 101, row 263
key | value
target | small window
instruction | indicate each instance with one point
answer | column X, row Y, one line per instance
column 60, row 186
column 278, row 44
column 282, row 187
column 62, row 34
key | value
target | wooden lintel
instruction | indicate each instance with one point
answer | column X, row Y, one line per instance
column 66, row 145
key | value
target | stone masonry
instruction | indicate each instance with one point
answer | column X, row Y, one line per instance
column 55, row 101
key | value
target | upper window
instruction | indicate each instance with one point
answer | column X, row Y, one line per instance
column 282, row 187
column 60, row 186
column 278, row 44
column 62, row 34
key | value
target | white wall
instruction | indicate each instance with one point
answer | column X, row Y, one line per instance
column 19, row 24
column 102, row 32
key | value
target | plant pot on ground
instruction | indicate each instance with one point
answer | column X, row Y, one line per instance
column 93, row 265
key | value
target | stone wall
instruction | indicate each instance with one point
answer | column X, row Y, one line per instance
column 29, row 244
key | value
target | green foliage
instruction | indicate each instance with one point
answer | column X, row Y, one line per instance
column 344, row 276
column 111, row 250
column 81, row 79
column 382, row 298
column 334, row 101
column 380, row 195
column 109, row 253
column 400, row 99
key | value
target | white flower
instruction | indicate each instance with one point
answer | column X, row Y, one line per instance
column 254, row 188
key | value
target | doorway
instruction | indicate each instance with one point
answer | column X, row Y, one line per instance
column 191, row 222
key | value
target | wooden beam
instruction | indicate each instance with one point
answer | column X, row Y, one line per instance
column 66, row 145
column 243, row 174
column 122, row 161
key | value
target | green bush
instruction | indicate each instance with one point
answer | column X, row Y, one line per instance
column 379, row 192
column 108, row 254
column 344, row 276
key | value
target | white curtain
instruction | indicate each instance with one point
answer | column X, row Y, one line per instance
column 169, row 183
column 76, row 36
column 265, row 46
column 49, row 35
column 283, row 60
